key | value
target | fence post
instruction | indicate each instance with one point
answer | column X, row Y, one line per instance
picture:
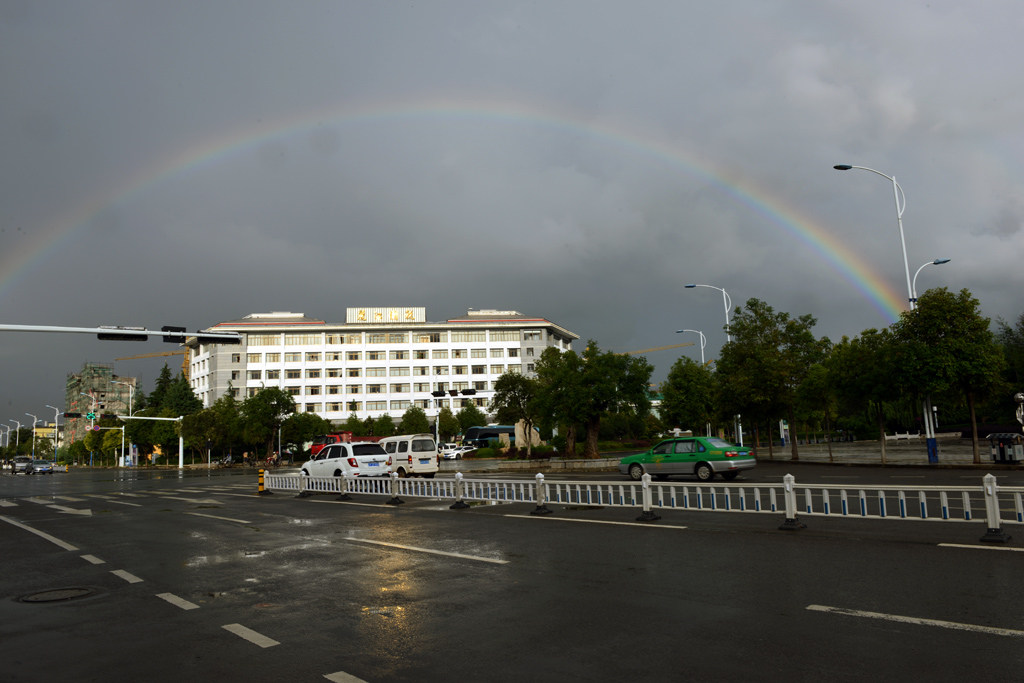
column 994, row 533
column 542, row 498
column 263, row 490
column 394, row 499
column 789, row 493
column 303, row 487
column 460, row 488
column 648, row 514
column 344, row 489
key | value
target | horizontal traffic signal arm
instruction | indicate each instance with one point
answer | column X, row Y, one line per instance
column 169, row 333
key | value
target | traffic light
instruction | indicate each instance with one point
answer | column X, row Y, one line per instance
column 217, row 338
column 122, row 333
column 72, row 415
column 179, row 339
column 469, row 392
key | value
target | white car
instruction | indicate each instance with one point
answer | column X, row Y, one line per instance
column 415, row 454
column 349, row 459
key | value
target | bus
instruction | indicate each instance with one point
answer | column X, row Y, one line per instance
column 480, row 437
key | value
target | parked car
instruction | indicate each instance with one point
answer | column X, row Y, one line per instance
column 39, row 466
column 702, row 456
column 21, row 463
column 463, row 450
column 414, row 454
column 349, row 459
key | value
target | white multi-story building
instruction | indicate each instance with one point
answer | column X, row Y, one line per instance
column 380, row 360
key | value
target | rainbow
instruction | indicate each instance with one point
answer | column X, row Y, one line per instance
column 15, row 263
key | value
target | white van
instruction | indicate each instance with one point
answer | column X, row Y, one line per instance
column 412, row 454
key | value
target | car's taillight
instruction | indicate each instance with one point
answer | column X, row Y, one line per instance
column 389, row 461
column 353, row 462
column 731, row 454
column 410, row 459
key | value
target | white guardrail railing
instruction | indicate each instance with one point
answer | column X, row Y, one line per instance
column 922, row 503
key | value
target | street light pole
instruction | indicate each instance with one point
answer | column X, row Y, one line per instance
column 727, row 303
column 17, row 435
column 703, row 342
column 131, row 397
column 897, row 192
column 56, row 414
column 927, row 410
column 34, row 420
column 913, row 287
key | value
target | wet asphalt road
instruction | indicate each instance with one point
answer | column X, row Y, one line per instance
column 312, row 588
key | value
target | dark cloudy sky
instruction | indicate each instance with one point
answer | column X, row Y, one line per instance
column 187, row 163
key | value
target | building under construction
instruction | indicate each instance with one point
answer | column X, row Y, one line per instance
column 96, row 389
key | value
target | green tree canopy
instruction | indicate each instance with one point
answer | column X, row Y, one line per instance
column 263, row 413
column 470, row 416
column 688, row 395
column 414, row 421
column 384, row 426
column 448, row 426
column 298, row 429
column 514, row 393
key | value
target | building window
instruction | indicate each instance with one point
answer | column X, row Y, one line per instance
column 375, row 388
column 529, row 367
column 376, row 372
column 422, row 403
column 440, row 369
column 430, row 337
column 478, row 353
column 356, row 338
column 293, row 391
column 440, row 353
column 399, row 372
column 235, row 374
column 529, row 351
column 531, row 335
column 252, row 391
column 313, row 391
column 313, row 374
column 441, row 386
column 497, row 369
column 293, row 374
column 302, row 340
column 513, row 353
column 374, row 355
column 497, row 353
column 314, row 407
column 263, row 339
column 313, row 357
column 480, row 402
column 334, row 407
column 355, row 372
column 354, row 405
column 354, row 389
column 515, row 368
column 479, row 369
column 421, row 386
column 333, row 389
column 400, row 405
column 254, row 374
column 460, row 386
column 480, row 386
column 334, row 372
column 273, row 357
column 273, row 374
column 293, row 358
column 254, row 358
column 353, row 355
column 399, row 355
column 504, row 335
column 376, row 405
column 469, row 336
column 399, row 388
column 420, row 371
column 398, row 338
column 376, row 338
column 332, row 356
column 236, row 358
column 460, row 353
column 460, row 369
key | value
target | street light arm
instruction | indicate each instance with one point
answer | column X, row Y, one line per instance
column 900, row 207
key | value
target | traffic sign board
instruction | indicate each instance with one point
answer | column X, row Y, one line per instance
column 91, row 416
column 96, row 428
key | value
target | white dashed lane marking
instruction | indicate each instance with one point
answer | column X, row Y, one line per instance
column 226, row 519
column 176, row 601
column 342, row 677
column 40, row 534
column 93, row 559
column 130, row 578
column 920, row 622
column 250, row 635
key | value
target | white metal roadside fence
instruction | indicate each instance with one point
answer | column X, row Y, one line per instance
column 988, row 503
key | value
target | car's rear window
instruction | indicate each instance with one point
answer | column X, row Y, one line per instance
column 715, row 442
column 423, row 445
column 368, row 449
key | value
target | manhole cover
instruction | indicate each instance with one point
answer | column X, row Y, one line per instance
column 58, row 595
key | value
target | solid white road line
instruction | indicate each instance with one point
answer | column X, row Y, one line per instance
column 176, row 601
column 428, row 550
column 71, row 511
column 980, row 547
column 40, row 534
column 130, row 578
column 596, row 521
column 342, row 677
column 250, row 635
column 920, row 622
column 7, row 504
column 226, row 519
column 93, row 559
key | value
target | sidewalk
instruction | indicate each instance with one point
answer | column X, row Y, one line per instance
column 953, row 452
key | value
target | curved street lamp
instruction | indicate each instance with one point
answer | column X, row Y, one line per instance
column 703, row 342
column 913, row 288
column 17, row 436
column 34, row 420
column 8, row 433
column 726, row 301
column 897, row 192
column 56, row 414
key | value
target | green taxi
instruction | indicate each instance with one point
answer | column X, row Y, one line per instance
column 702, row 456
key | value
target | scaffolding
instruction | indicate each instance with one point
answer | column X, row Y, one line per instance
column 95, row 389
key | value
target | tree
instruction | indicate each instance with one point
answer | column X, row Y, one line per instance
column 414, row 421
column 817, row 394
column 298, row 429
column 163, row 384
column 945, row 343
column 687, row 395
column 198, row 428
column 560, row 396
column 263, row 413
column 384, row 426
column 228, row 426
column 470, row 416
column 355, row 425
column 515, row 392
column 447, row 425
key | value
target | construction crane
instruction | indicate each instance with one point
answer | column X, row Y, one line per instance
column 656, row 348
column 157, row 354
